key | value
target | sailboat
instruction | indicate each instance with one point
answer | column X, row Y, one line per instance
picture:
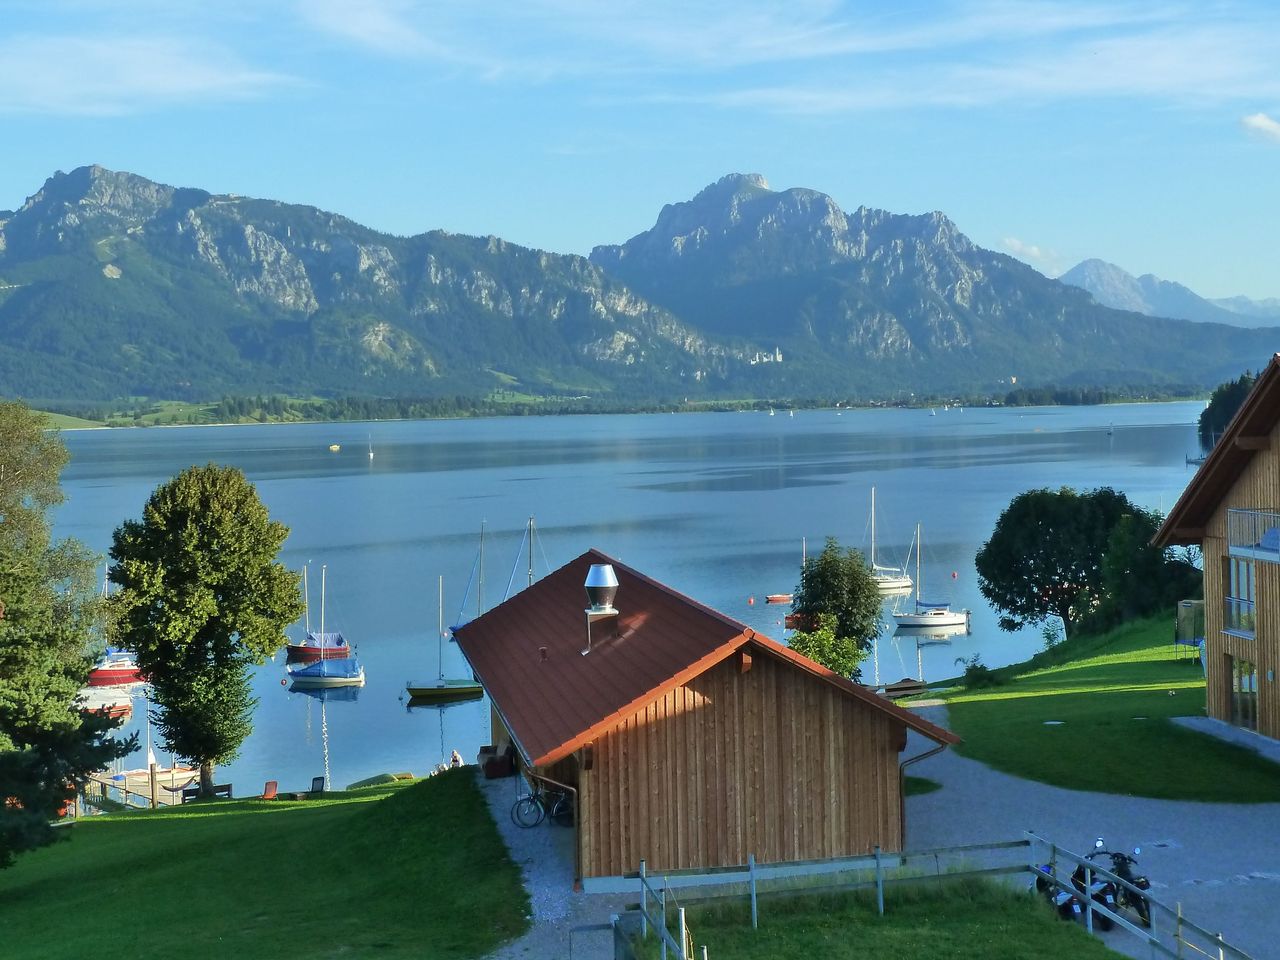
column 887, row 579
column 370, row 446
column 930, row 614
column 443, row 689
column 476, row 567
column 322, row 645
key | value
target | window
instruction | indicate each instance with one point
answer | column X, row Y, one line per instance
column 1244, row 693
column 1238, row 605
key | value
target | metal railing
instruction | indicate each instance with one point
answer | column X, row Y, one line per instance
column 1185, row 934
column 881, row 871
column 1238, row 616
column 1254, row 533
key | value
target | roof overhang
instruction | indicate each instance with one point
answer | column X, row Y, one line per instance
column 1248, row 432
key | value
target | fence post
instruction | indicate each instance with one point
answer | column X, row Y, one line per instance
column 155, row 796
column 665, row 933
column 751, row 871
column 1221, row 952
column 1088, row 898
column 879, row 882
column 684, row 934
column 644, row 903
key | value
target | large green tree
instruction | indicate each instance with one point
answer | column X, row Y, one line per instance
column 1045, row 556
column 203, row 599
column 50, row 619
column 837, row 607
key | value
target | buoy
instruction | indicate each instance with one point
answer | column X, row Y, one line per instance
column 284, row 683
column 954, row 574
column 751, row 601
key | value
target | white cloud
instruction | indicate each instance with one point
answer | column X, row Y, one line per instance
column 1049, row 262
column 106, row 75
column 1262, row 125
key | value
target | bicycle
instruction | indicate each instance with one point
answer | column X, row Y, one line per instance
column 532, row 809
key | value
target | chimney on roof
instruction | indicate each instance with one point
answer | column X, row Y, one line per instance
column 602, row 587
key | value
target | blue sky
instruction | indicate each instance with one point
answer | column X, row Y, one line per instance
column 1144, row 133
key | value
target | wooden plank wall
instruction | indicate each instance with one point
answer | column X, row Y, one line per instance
column 1257, row 488
column 773, row 762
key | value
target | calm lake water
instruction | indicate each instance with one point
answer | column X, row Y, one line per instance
column 715, row 505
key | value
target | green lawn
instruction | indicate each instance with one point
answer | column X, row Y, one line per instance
column 970, row 920
column 65, row 422
column 916, row 786
column 394, row 871
column 1112, row 697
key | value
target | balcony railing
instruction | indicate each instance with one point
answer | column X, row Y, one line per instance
column 1238, row 617
column 1254, row 534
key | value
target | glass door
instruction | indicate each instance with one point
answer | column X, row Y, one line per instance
column 1244, row 694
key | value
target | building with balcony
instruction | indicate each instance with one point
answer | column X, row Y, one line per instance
column 1231, row 509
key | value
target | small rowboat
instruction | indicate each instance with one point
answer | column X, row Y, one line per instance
column 777, row 598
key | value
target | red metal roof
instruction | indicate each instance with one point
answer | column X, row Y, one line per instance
column 1248, row 432
column 528, row 654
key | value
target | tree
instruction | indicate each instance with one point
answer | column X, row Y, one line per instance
column 1045, row 556
column 1137, row 578
column 836, row 594
column 50, row 617
column 1222, row 406
column 203, row 598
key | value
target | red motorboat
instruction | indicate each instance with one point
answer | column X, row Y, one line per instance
column 115, row 667
column 319, row 646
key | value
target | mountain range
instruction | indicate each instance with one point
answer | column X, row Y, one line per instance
column 1111, row 286
column 113, row 285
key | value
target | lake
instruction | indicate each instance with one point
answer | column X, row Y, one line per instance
column 714, row 505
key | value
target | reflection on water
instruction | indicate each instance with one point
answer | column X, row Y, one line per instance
column 715, row 505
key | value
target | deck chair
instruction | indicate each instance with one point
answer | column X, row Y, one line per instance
column 269, row 790
column 317, row 785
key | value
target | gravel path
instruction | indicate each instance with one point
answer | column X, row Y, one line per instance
column 1221, row 861
column 563, row 920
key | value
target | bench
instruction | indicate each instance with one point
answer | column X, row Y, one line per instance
column 222, row 790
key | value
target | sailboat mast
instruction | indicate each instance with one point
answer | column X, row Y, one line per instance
column 531, row 551
column 306, row 599
column 873, row 528
column 919, row 550
column 440, row 629
column 323, row 568
column 480, row 581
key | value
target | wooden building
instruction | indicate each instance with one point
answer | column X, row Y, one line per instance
column 1232, row 509
column 688, row 739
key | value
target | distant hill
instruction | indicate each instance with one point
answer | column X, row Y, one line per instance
column 1111, row 286
column 113, row 285
column 893, row 302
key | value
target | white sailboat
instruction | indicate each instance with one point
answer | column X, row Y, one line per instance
column 930, row 614
column 888, row 579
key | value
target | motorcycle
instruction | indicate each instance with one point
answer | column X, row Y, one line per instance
column 1065, row 904
column 1122, row 866
column 1101, row 891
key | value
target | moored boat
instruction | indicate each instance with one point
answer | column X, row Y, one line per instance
column 887, row 579
column 347, row 672
column 927, row 613
column 320, row 646
column 445, row 689
column 777, row 598
column 113, row 668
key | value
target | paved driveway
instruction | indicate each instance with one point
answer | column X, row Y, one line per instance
column 1221, row 861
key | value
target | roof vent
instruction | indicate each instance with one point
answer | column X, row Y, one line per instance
column 602, row 587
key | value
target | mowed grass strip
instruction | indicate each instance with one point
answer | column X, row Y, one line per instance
column 1111, row 698
column 965, row 920
column 396, row 871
